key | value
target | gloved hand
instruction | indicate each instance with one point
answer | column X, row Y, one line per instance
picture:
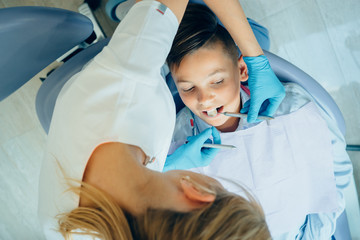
column 265, row 88
column 192, row 154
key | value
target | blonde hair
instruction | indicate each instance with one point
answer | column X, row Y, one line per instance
column 229, row 217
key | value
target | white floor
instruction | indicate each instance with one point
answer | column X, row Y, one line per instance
column 322, row 37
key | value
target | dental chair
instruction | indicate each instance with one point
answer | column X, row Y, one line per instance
column 33, row 37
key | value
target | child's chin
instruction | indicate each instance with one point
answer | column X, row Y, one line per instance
column 215, row 122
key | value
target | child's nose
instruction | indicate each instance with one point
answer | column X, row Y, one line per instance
column 205, row 97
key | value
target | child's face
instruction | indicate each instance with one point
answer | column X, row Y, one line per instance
column 208, row 79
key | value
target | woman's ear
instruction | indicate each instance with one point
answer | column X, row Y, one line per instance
column 194, row 192
column 243, row 69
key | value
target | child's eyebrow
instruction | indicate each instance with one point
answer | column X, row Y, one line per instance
column 182, row 81
column 219, row 70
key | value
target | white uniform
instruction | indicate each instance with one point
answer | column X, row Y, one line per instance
column 118, row 97
column 292, row 164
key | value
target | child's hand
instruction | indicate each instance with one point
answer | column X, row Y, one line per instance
column 192, row 154
column 266, row 90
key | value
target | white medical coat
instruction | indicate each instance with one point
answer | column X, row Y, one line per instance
column 118, row 97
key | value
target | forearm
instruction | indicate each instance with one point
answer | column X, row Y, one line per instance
column 233, row 17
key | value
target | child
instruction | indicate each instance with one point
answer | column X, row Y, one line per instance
column 289, row 163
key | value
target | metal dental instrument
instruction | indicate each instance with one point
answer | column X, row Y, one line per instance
column 244, row 115
column 207, row 145
column 220, row 146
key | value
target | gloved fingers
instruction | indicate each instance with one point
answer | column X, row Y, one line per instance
column 210, row 153
column 245, row 108
column 216, row 135
column 201, row 137
column 264, row 86
column 271, row 107
column 204, row 135
column 190, row 138
column 263, row 107
column 254, row 109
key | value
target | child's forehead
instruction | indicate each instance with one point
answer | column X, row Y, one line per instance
column 217, row 50
column 204, row 60
column 214, row 51
column 198, row 70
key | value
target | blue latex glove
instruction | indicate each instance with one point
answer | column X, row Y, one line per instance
column 266, row 90
column 192, row 154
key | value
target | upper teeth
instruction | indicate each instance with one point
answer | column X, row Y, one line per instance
column 212, row 113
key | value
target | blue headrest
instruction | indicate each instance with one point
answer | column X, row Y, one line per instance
column 288, row 72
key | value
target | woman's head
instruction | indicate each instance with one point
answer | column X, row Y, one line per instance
column 227, row 216
column 206, row 68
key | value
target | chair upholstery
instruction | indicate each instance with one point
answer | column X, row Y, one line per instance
column 342, row 231
column 287, row 72
column 33, row 37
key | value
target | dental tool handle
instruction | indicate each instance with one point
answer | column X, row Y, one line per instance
column 220, row 146
column 244, row 115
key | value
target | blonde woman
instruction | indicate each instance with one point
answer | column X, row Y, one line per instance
column 110, row 121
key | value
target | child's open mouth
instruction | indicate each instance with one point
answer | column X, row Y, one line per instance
column 213, row 112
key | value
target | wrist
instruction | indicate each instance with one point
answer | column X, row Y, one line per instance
column 252, row 54
column 259, row 63
column 251, row 49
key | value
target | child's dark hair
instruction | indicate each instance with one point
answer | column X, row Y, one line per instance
column 199, row 28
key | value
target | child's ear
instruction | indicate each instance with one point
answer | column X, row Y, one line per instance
column 194, row 194
column 243, row 69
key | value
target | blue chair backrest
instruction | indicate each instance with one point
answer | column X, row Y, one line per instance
column 288, row 72
column 33, row 37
